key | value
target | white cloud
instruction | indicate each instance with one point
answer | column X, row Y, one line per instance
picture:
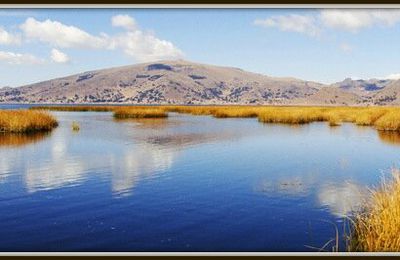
column 7, row 38
column 58, row 56
column 355, row 19
column 351, row 20
column 142, row 46
column 18, row 58
column 61, row 35
column 294, row 23
column 124, row 21
column 345, row 47
column 146, row 47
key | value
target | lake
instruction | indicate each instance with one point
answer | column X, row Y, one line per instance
column 186, row 183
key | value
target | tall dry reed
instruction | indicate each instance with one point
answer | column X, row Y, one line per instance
column 377, row 227
column 24, row 121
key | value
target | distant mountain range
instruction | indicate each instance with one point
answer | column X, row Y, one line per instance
column 183, row 82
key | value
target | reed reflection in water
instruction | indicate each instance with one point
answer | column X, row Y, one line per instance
column 21, row 139
column 390, row 137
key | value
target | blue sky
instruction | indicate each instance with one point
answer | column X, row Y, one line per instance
column 311, row 44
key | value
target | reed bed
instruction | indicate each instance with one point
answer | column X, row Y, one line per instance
column 377, row 227
column 75, row 108
column 133, row 112
column 382, row 118
column 26, row 121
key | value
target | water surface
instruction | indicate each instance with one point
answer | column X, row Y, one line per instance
column 186, row 183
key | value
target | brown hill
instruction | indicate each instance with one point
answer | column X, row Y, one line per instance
column 167, row 82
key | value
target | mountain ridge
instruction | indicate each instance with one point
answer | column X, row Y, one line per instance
column 185, row 82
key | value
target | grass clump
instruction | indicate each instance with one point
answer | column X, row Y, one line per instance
column 25, row 121
column 75, row 126
column 138, row 112
column 377, row 227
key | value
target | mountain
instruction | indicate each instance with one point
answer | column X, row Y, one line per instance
column 167, row 82
column 373, row 91
column 183, row 82
column 390, row 95
column 361, row 86
column 330, row 96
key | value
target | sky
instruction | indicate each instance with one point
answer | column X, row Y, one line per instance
column 324, row 45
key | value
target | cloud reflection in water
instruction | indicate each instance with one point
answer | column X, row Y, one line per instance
column 342, row 199
column 136, row 149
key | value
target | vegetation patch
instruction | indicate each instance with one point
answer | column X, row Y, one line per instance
column 377, row 227
column 26, row 121
column 382, row 118
column 75, row 126
column 137, row 112
column 75, row 108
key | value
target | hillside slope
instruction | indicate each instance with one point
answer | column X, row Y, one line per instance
column 167, row 82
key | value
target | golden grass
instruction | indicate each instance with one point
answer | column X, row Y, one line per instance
column 377, row 227
column 390, row 121
column 134, row 112
column 25, row 121
column 75, row 126
column 382, row 118
column 75, row 108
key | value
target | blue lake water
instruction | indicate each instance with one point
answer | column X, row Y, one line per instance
column 186, row 183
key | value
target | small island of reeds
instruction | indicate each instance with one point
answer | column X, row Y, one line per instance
column 139, row 112
column 26, row 121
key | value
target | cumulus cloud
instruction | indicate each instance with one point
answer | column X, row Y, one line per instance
column 124, row 21
column 58, row 56
column 352, row 20
column 142, row 46
column 146, row 47
column 61, row 35
column 7, row 38
column 355, row 19
column 18, row 58
column 294, row 23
